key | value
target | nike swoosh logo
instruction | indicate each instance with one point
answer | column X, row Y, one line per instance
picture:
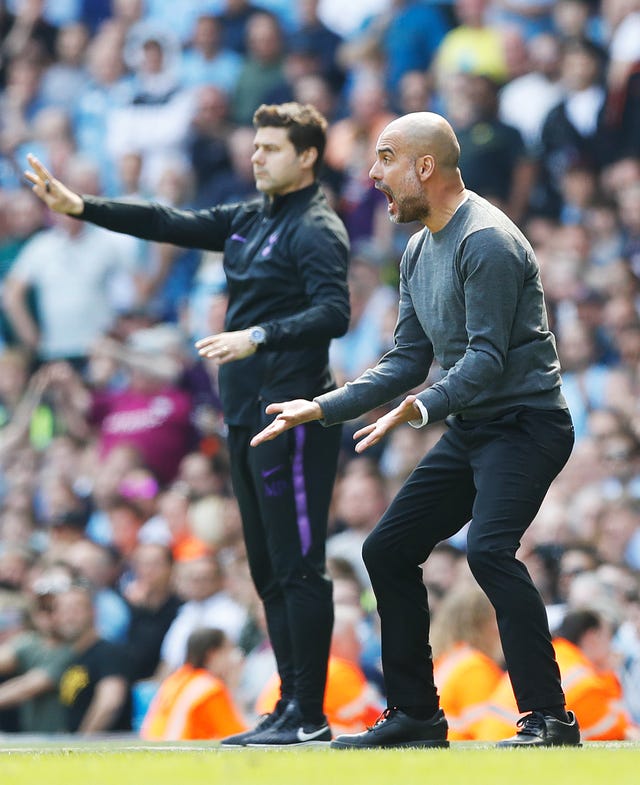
column 268, row 472
column 302, row 736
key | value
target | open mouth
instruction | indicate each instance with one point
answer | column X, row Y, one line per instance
column 389, row 195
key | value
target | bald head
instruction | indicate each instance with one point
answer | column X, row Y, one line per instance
column 416, row 167
column 427, row 133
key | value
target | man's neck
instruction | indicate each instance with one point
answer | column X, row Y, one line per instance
column 447, row 204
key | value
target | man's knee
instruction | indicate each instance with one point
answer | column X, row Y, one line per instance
column 372, row 552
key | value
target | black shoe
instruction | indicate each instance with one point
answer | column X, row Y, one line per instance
column 265, row 722
column 543, row 730
column 290, row 730
column 394, row 728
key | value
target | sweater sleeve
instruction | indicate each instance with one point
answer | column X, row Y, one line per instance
column 403, row 367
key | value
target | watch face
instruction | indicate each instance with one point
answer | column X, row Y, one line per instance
column 258, row 335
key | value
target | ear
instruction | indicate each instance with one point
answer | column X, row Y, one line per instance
column 308, row 157
column 425, row 167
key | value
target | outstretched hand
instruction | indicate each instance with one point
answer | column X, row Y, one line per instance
column 403, row 413
column 53, row 193
column 290, row 414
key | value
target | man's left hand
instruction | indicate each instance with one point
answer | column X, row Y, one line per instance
column 405, row 412
column 226, row 347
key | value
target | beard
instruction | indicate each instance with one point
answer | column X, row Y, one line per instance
column 413, row 205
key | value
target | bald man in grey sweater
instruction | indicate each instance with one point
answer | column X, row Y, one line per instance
column 470, row 298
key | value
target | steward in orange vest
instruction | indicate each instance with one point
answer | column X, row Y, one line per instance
column 466, row 647
column 594, row 696
column 350, row 702
column 465, row 678
column 194, row 702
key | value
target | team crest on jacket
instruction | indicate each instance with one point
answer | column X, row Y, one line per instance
column 266, row 251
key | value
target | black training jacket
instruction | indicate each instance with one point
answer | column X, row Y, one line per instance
column 285, row 262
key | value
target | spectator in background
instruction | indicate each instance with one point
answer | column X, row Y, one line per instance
column 262, row 71
column 472, row 47
column 493, row 158
column 156, row 119
column 588, row 384
column 201, row 584
column 66, row 78
column 150, row 413
column 321, row 41
column 108, row 89
column 208, row 143
column 99, row 565
column 467, row 656
column 237, row 183
column 153, row 605
column 20, row 101
column 235, row 19
column 573, row 131
column 441, row 573
column 359, row 500
column 94, row 688
column 70, row 318
column 36, row 659
column 207, row 60
column 524, row 102
column 26, row 417
column 583, row 649
column 404, row 38
column 29, row 33
column 349, row 144
column 529, row 17
column 195, row 701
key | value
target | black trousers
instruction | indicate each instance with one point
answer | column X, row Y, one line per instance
column 284, row 490
column 496, row 474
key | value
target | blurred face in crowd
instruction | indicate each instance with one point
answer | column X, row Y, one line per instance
column 73, row 614
column 264, row 41
column 152, row 566
column 199, row 579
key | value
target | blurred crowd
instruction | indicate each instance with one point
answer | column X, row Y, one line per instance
column 122, row 566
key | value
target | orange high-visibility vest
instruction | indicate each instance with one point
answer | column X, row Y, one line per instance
column 465, row 678
column 594, row 697
column 350, row 702
column 191, row 704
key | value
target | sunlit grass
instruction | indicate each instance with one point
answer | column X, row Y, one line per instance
column 118, row 764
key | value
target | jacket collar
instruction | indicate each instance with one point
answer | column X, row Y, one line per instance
column 301, row 197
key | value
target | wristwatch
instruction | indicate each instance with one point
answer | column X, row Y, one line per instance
column 258, row 336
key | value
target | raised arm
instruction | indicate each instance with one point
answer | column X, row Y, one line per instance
column 202, row 229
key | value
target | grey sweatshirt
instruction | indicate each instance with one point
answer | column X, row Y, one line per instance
column 470, row 297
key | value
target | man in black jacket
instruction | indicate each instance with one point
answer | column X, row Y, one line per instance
column 285, row 260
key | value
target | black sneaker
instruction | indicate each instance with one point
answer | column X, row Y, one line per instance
column 290, row 730
column 265, row 722
column 543, row 730
column 394, row 728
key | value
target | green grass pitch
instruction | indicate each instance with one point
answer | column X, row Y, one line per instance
column 119, row 763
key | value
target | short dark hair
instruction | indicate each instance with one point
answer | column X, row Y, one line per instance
column 577, row 623
column 306, row 126
column 201, row 642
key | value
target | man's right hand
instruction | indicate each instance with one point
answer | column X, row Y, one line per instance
column 290, row 414
column 53, row 193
